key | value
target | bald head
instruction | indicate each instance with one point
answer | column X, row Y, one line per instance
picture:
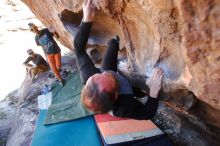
column 100, row 92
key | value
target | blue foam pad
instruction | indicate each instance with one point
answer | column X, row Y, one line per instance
column 81, row 132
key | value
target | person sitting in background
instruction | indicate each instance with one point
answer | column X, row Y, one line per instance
column 106, row 90
column 39, row 64
column 44, row 38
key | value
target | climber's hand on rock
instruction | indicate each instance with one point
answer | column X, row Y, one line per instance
column 88, row 11
column 154, row 82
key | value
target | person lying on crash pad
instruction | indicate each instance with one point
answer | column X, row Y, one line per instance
column 39, row 64
column 105, row 89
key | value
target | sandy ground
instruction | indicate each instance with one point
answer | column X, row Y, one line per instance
column 15, row 39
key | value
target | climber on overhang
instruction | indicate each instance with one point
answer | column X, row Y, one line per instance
column 105, row 89
column 44, row 38
column 39, row 64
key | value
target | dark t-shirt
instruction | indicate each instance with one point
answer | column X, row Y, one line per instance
column 46, row 40
column 38, row 60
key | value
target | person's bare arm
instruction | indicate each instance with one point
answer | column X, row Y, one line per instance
column 53, row 32
column 26, row 63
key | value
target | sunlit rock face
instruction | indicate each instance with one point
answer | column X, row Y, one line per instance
column 181, row 37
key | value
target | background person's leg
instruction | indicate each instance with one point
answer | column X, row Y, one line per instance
column 110, row 59
column 58, row 61
column 43, row 68
column 51, row 60
column 34, row 72
column 28, row 71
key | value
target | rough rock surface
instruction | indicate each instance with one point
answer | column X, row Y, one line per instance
column 182, row 37
column 7, row 114
column 27, row 111
column 185, row 129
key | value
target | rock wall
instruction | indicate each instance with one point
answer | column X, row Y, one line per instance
column 7, row 114
column 182, row 37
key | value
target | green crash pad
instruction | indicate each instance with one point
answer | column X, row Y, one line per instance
column 66, row 104
column 80, row 132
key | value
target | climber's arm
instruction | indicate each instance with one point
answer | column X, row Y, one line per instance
column 154, row 83
column 84, row 63
column 82, row 36
column 84, row 29
column 138, row 93
column 129, row 107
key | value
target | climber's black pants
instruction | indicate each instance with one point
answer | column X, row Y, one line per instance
column 85, row 65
